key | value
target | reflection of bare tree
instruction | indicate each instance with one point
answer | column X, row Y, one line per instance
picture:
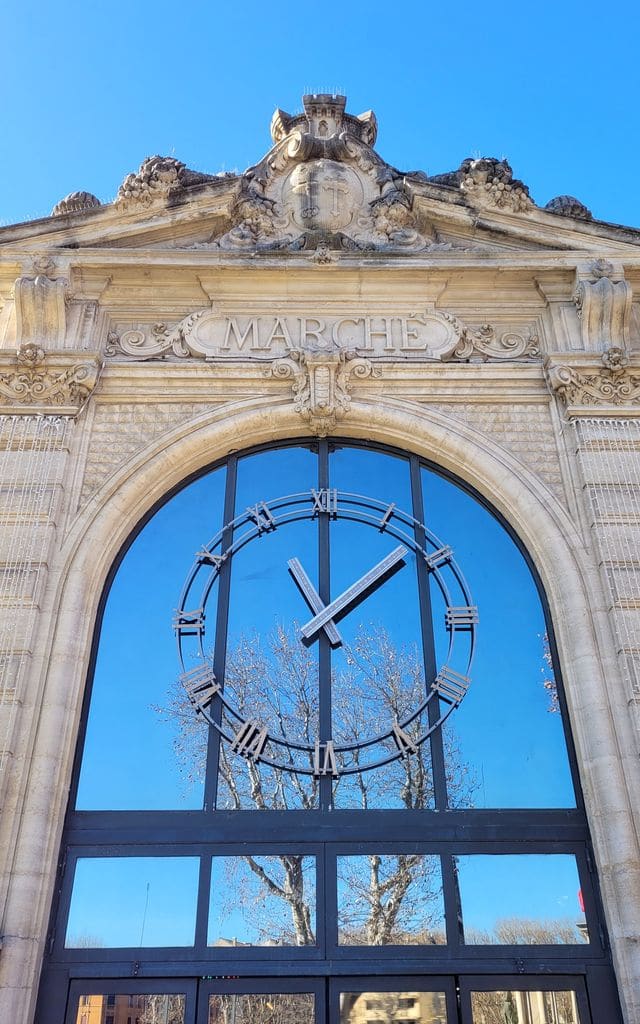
column 523, row 931
column 162, row 1009
column 84, row 941
column 280, row 1008
column 535, row 1007
column 376, row 683
column 549, row 679
column 390, row 899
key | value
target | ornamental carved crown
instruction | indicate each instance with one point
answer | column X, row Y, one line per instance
column 322, row 187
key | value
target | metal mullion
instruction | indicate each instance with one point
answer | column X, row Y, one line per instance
column 202, row 906
column 452, row 903
column 324, row 647
column 428, row 641
column 220, row 643
column 173, row 828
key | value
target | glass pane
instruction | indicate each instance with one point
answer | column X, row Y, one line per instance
column 373, row 474
column 262, row 1008
column 393, row 1008
column 509, row 1007
column 521, row 899
column 140, row 751
column 273, row 474
column 390, row 900
column 263, row 901
column 506, row 736
column 377, row 669
column 133, row 901
column 115, row 1008
column 271, row 678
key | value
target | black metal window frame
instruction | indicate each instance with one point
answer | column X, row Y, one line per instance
column 325, row 834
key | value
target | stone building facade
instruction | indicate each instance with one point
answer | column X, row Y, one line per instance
column 321, row 294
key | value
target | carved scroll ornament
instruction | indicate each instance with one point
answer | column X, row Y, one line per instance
column 322, row 383
column 612, row 383
column 483, row 343
column 34, row 379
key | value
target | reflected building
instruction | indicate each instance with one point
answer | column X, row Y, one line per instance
column 393, row 1008
column 319, row 596
column 129, row 1009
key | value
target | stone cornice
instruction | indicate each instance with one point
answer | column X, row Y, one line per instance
column 33, row 382
column 106, row 259
column 608, row 386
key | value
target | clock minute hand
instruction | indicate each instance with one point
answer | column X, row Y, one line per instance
column 351, row 593
column 313, row 598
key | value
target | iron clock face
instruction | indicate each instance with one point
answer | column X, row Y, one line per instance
column 408, row 543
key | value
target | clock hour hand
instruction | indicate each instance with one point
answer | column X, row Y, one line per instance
column 313, row 599
column 353, row 592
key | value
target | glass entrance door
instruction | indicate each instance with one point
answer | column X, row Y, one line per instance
column 494, row 999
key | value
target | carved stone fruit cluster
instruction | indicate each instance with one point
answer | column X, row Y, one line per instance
column 75, row 202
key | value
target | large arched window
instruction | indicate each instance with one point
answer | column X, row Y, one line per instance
column 324, row 772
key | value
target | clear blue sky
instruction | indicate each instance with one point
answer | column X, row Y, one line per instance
column 88, row 90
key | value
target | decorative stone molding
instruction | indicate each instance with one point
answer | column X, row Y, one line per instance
column 75, row 202
column 488, row 183
column 603, row 300
column 40, row 302
column 41, row 382
column 569, row 206
column 321, row 384
column 428, row 334
column 589, row 388
column 157, row 178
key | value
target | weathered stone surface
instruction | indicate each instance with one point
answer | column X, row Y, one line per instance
column 526, row 431
column 567, row 206
column 75, row 202
column 121, row 430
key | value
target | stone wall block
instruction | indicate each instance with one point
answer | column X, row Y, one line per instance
column 628, row 623
column 615, row 502
column 20, row 470
column 624, row 581
column 25, row 537
column 617, row 465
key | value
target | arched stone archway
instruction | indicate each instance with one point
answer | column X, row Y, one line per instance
column 92, row 545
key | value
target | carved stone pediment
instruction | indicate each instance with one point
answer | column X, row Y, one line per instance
column 323, row 185
column 32, row 380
